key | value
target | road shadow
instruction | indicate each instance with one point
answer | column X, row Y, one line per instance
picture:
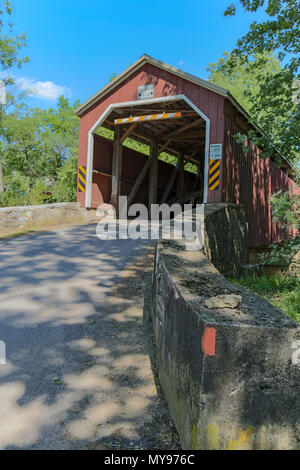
column 78, row 373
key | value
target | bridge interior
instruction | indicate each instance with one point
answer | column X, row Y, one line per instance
column 170, row 126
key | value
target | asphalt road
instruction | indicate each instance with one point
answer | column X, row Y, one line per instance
column 77, row 373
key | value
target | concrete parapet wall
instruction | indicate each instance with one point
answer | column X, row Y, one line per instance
column 14, row 219
column 228, row 365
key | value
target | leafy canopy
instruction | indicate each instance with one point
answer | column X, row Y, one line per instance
column 10, row 44
column 276, row 105
column 243, row 80
column 40, row 146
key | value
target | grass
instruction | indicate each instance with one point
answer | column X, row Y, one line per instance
column 283, row 292
column 17, row 234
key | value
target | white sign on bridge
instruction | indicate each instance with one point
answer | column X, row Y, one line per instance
column 215, row 151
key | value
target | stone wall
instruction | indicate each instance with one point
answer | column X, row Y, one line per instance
column 16, row 219
column 226, row 237
column 227, row 360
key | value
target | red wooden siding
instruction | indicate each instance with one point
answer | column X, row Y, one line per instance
column 251, row 180
column 245, row 179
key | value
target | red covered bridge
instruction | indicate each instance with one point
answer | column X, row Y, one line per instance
column 192, row 120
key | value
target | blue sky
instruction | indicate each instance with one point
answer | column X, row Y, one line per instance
column 74, row 46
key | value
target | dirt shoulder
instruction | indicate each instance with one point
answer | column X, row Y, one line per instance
column 156, row 429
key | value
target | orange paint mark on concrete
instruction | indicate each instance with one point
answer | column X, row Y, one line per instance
column 209, row 341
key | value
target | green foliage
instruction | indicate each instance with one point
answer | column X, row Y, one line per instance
column 59, row 132
column 10, row 45
column 230, row 10
column 191, row 167
column 282, row 291
column 285, row 212
column 112, row 77
column 19, row 192
column 39, row 193
column 280, row 254
column 166, row 157
column 42, row 146
column 276, row 106
column 277, row 117
column 38, row 148
column 272, row 285
column 137, row 146
column 104, row 132
column 279, row 32
column 261, row 141
column 285, row 209
column 243, row 80
column 15, row 192
column 22, row 146
column 289, row 303
column 66, row 186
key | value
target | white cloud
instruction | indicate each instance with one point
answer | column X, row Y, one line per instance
column 44, row 90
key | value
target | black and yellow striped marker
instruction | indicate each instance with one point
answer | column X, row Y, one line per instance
column 81, row 179
column 214, row 174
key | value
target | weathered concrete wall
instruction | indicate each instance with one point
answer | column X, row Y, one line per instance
column 15, row 219
column 227, row 373
column 226, row 237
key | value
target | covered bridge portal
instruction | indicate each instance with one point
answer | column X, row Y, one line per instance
column 192, row 120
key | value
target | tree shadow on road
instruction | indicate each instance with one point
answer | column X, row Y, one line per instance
column 78, row 373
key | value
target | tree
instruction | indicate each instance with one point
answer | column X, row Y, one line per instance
column 276, row 106
column 22, row 144
column 37, row 142
column 280, row 32
column 60, row 128
column 285, row 212
column 10, row 46
column 42, row 147
column 66, row 186
column 243, row 80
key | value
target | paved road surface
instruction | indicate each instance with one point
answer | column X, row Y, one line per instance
column 77, row 372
